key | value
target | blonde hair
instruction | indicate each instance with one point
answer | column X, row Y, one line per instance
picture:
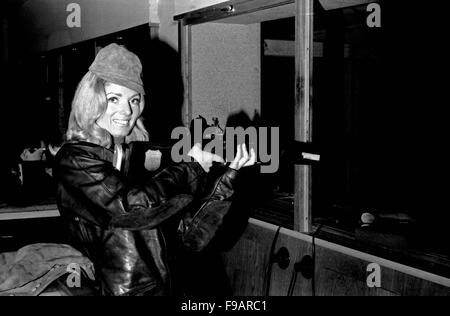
column 89, row 103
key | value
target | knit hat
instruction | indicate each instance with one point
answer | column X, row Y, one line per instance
column 118, row 65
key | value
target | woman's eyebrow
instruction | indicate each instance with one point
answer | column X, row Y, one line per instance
column 120, row 94
column 115, row 93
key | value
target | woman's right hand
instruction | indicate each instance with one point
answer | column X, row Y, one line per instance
column 242, row 158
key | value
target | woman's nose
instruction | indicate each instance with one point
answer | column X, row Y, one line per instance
column 125, row 108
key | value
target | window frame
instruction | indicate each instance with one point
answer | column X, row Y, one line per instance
column 235, row 11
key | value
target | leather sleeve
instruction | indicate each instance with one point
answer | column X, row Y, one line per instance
column 93, row 178
column 200, row 225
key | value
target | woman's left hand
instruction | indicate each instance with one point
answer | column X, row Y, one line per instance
column 204, row 158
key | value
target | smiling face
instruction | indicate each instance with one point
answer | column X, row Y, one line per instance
column 124, row 107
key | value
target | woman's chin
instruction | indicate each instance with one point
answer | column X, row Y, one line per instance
column 120, row 133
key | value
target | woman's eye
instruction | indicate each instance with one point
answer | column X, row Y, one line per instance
column 113, row 99
column 135, row 101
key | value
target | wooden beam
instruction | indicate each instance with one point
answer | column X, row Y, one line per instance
column 61, row 111
column 279, row 48
column 336, row 4
column 275, row 13
column 27, row 212
column 229, row 9
column 303, row 111
column 287, row 48
column 184, row 47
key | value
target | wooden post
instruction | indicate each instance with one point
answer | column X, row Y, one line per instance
column 184, row 47
column 303, row 110
column 61, row 110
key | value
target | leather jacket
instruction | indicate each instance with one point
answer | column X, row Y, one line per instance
column 133, row 230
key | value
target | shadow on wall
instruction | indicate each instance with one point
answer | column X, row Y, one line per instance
column 207, row 275
column 163, row 88
column 250, row 191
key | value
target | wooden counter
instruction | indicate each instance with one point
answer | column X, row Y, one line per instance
column 337, row 270
column 8, row 212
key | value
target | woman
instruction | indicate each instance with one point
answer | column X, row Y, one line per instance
column 132, row 231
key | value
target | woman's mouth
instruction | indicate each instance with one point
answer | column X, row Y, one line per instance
column 121, row 122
